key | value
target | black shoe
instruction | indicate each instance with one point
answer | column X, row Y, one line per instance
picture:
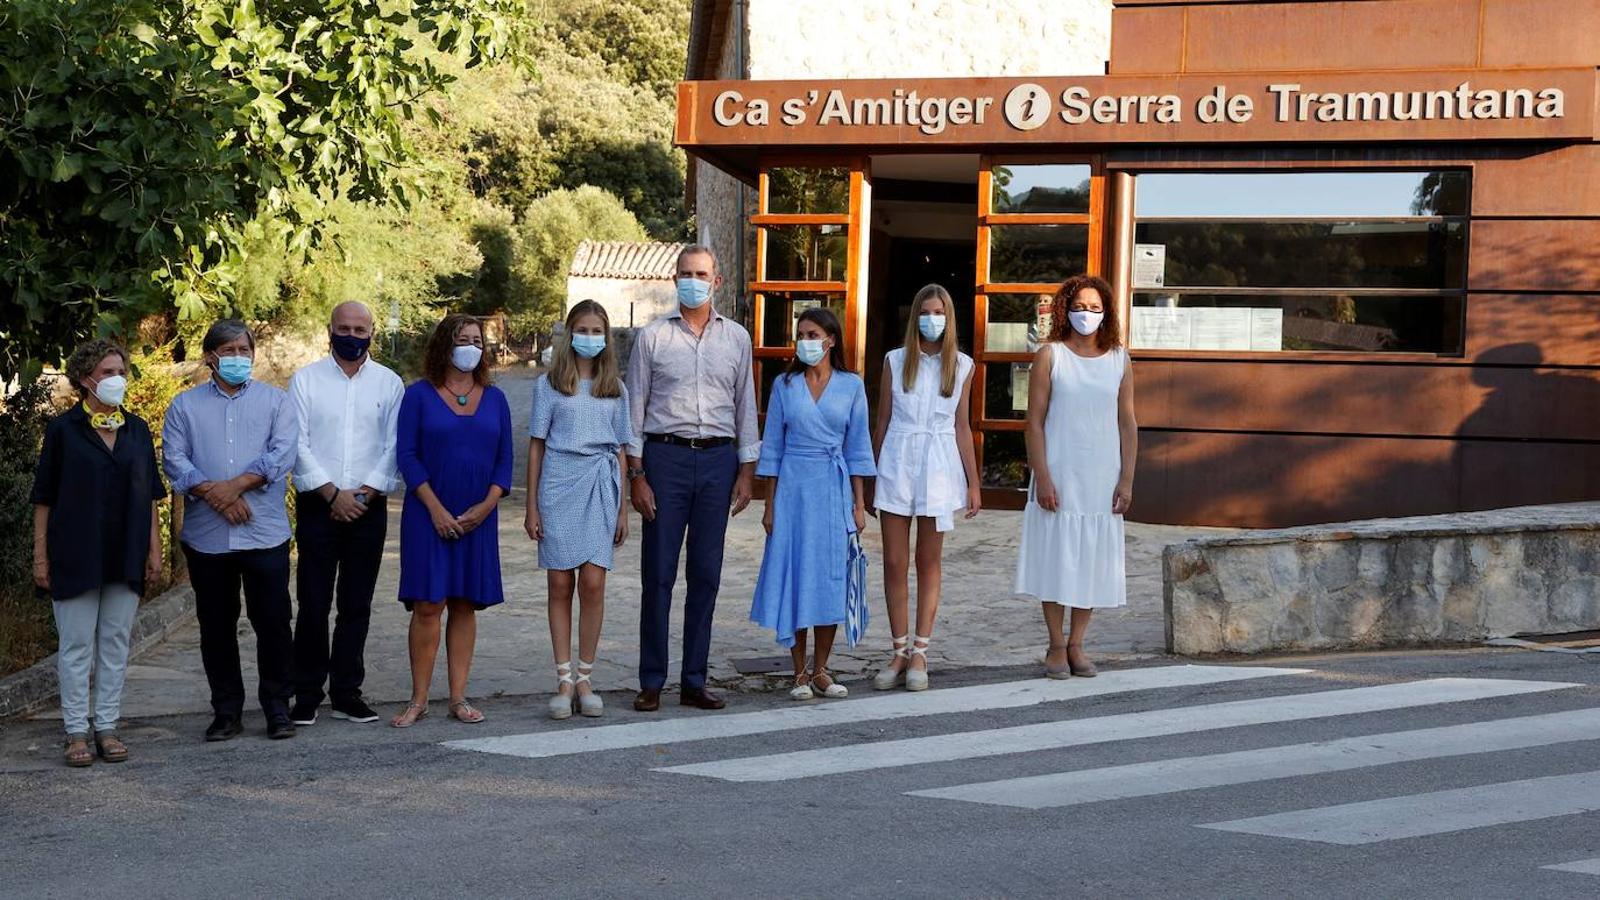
column 224, row 728
column 280, row 728
column 700, row 698
column 304, row 713
column 353, row 711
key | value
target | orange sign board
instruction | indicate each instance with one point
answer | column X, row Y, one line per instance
column 1513, row 104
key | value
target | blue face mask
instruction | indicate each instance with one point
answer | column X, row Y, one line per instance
column 693, row 293
column 235, row 370
column 809, row 352
column 932, row 327
column 588, row 346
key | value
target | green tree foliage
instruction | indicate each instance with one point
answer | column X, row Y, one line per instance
column 145, row 134
column 600, row 112
column 550, row 232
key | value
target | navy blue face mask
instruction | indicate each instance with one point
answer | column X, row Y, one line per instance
column 349, row 347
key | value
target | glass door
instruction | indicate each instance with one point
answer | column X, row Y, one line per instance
column 1040, row 221
column 810, row 251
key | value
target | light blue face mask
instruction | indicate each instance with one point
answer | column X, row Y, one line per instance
column 693, row 293
column 588, row 346
column 932, row 327
column 234, row 370
column 809, row 352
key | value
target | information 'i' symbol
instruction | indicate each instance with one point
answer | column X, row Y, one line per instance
column 1027, row 107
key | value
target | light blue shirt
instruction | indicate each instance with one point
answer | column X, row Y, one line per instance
column 210, row 436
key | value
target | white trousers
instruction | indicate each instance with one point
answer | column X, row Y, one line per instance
column 94, row 629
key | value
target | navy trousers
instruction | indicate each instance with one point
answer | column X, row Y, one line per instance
column 693, row 489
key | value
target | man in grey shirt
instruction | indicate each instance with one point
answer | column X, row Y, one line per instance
column 693, row 458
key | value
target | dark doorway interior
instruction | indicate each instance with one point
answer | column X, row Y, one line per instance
column 911, row 263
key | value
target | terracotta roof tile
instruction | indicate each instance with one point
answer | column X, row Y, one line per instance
column 645, row 261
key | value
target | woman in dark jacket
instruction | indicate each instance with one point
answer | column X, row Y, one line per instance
column 96, row 541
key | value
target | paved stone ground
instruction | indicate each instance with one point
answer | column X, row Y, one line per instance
column 981, row 623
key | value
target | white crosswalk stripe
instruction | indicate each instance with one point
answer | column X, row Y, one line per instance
column 1009, row 695
column 1439, row 812
column 1104, row 729
column 1358, row 823
column 1581, row 866
column 1266, row 764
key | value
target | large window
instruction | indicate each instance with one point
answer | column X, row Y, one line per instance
column 1038, row 225
column 1325, row 261
column 803, row 254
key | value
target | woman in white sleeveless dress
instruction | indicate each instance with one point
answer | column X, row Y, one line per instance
column 1082, row 443
column 927, row 472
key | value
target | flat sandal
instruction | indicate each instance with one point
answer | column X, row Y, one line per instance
column 79, row 758
column 464, row 712
column 111, row 747
column 422, row 713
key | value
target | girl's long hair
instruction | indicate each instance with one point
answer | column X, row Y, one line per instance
column 1110, row 333
column 913, row 344
column 563, row 375
column 823, row 318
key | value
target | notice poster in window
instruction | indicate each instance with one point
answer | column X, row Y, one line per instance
column 1266, row 329
column 1219, row 328
column 1160, row 328
column 1019, row 386
column 1149, row 265
column 1007, row 337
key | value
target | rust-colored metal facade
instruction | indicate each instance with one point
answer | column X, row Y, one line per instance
column 1264, row 439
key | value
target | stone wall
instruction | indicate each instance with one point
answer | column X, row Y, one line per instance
column 722, row 203
column 631, row 303
column 1387, row 582
column 816, row 39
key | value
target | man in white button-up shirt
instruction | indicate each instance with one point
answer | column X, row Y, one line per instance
column 347, row 406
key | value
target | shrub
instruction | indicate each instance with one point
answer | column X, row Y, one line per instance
column 27, row 630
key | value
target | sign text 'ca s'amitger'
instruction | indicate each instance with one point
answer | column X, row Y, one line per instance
column 1511, row 104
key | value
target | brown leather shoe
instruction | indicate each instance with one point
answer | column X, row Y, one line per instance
column 700, row 698
column 647, row 700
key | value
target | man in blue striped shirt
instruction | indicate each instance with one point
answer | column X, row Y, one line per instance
column 228, row 446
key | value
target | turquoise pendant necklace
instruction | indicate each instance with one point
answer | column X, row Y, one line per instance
column 461, row 399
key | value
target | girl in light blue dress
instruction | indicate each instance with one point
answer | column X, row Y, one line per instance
column 576, row 439
column 819, row 452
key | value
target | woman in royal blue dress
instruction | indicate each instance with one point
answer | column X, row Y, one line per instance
column 454, row 449
column 818, row 451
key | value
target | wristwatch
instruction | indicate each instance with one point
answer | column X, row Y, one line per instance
column 361, row 497
column 635, row 472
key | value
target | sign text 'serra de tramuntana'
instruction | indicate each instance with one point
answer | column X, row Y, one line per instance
column 1028, row 106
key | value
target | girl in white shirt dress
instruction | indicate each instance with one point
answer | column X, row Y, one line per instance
column 1082, row 443
column 576, row 436
column 927, row 472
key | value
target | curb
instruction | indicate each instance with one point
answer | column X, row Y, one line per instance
column 30, row 688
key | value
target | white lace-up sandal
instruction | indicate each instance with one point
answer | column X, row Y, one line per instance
column 917, row 679
column 833, row 691
column 802, row 687
column 589, row 702
column 889, row 678
column 561, row 704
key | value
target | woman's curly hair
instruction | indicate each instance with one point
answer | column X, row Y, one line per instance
column 86, row 358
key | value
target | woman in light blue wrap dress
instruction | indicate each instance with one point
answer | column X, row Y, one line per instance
column 576, row 437
column 819, row 451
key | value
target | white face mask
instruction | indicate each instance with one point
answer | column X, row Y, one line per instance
column 1085, row 322
column 466, row 357
column 111, row 390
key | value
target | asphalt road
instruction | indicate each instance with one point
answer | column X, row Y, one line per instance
column 1156, row 781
